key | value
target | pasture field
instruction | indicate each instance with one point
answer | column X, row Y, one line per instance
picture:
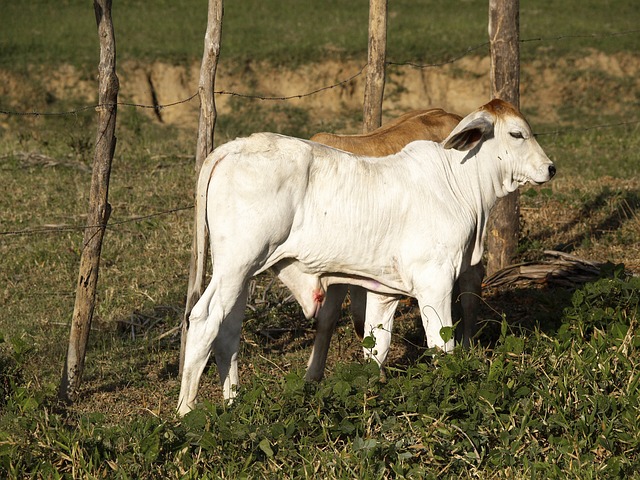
column 550, row 391
column 424, row 30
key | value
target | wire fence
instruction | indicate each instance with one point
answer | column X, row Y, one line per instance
column 45, row 230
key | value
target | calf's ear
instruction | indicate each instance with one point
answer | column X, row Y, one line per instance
column 470, row 131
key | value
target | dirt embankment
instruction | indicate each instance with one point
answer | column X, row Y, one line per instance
column 459, row 87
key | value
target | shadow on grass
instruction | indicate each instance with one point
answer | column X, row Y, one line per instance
column 611, row 210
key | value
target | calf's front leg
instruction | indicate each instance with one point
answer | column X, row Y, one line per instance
column 379, row 324
column 434, row 300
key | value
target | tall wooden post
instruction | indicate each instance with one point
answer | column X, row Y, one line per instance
column 504, row 35
column 204, row 146
column 374, row 86
column 99, row 208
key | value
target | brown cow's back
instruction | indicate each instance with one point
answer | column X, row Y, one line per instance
column 434, row 124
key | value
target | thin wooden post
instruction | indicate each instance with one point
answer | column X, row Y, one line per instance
column 374, row 86
column 99, row 208
column 504, row 35
column 204, row 146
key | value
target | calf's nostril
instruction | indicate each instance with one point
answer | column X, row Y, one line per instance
column 552, row 170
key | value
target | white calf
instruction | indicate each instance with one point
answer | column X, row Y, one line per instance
column 432, row 124
column 406, row 224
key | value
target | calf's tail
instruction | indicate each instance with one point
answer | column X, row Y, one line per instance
column 197, row 274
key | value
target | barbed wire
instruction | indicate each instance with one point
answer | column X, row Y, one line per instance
column 302, row 95
column 68, row 228
column 582, row 35
column 97, row 106
column 527, row 40
column 444, row 62
column 186, row 100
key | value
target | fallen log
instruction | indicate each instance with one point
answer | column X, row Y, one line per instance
column 561, row 269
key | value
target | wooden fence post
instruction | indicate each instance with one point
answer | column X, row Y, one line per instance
column 504, row 35
column 374, row 85
column 99, row 208
column 204, row 146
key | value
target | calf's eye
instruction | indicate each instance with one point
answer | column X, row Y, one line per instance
column 516, row 135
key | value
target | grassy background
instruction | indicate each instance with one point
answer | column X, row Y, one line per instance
column 426, row 30
column 552, row 391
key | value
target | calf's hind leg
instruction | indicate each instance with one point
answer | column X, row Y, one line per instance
column 225, row 347
column 218, row 313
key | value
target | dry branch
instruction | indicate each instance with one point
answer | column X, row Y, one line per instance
column 562, row 269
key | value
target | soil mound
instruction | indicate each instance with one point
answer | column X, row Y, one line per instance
column 458, row 87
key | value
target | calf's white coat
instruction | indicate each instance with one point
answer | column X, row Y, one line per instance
column 432, row 124
column 406, row 224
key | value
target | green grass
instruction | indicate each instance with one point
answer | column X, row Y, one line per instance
column 592, row 154
column 551, row 393
column 291, row 31
column 556, row 406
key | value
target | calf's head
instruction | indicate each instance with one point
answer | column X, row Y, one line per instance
column 501, row 131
